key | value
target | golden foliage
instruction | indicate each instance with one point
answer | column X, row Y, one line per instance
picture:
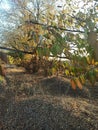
column 82, row 79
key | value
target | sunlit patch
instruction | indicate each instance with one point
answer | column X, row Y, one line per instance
column 5, row 5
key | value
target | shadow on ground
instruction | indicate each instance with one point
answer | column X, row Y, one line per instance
column 33, row 102
column 46, row 113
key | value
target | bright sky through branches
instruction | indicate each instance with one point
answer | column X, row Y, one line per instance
column 4, row 5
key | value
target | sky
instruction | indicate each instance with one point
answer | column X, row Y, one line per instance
column 4, row 5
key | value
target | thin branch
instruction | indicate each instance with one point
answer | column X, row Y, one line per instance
column 16, row 50
column 33, row 52
column 55, row 27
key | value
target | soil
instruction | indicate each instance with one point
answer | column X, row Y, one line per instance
column 35, row 102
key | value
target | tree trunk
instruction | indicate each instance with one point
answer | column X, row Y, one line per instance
column 3, row 57
column 93, row 42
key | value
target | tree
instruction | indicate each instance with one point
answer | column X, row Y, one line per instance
column 44, row 28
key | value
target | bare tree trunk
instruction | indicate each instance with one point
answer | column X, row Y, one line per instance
column 93, row 42
column 2, row 70
column 3, row 57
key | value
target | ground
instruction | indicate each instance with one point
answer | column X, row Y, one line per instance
column 34, row 102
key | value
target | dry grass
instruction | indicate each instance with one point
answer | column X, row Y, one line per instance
column 34, row 102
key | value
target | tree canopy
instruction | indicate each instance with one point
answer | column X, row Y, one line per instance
column 58, row 29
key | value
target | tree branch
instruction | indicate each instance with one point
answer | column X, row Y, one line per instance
column 33, row 52
column 16, row 50
column 55, row 27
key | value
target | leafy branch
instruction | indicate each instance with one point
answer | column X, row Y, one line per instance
column 51, row 26
column 29, row 52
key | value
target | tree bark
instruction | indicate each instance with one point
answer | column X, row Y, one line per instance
column 93, row 42
column 3, row 57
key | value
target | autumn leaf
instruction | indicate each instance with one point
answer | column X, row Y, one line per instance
column 93, row 62
column 67, row 72
column 82, row 79
column 78, row 83
column 96, row 63
column 53, row 70
column 73, row 84
column 88, row 60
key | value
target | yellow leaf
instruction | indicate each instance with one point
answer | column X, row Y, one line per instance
column 53, row 70
column 88, row 60
column 73, row 84
column 82, row 79
column 96, row 63
column 96, row 70
column 67, row 72
column 72, row 74
column 93, row 62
